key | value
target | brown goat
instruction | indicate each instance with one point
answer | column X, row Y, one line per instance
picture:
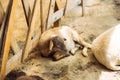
column 59, row 41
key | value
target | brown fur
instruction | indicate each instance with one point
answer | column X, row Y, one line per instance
column 20, row 75
column 29, row 78
column 59, row 49
column 60, row 40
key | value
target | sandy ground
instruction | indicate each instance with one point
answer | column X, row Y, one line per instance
column 97, row 19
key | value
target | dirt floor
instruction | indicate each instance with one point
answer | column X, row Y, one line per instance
column 98, row 18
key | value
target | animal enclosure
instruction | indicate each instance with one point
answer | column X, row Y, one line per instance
column 47, row 12
column 100, row 15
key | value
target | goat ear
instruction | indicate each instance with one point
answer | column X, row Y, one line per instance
column 51, row 45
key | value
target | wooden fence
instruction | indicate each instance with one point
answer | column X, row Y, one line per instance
column 51, row 12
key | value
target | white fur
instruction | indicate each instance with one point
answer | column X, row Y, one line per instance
column 69, row 40
column 114, row 45
column 106, row 48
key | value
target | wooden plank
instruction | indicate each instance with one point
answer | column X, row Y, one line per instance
column 2, row 13
column 27, row 11
column 45, row 11
column 41, row 17
column 59, row 4
column 7, row 40
column 57, row 15
column 2, row 32
column 2, row 27
column 16, row 59
column 28, row 45
column 65, row 6
column 83, row 7
column 13, row 62
column 51, row 12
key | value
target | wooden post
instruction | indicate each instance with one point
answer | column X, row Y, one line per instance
column 83, row 12
column 13, row 62
column 7, row 40
column 41, row 17
column 27, row 11
column 28, row 45
column 44, row 13
column 58, row 5
column 56, row 11
column 50, row 13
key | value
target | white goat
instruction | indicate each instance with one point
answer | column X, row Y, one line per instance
column 106, row 48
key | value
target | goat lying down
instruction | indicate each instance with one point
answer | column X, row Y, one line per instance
column 59, row 41
column 106, row 48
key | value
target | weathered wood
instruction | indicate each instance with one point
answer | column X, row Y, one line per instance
column 59, row 4
column 41, row 17
column 8, row 34
column 2, row 29
column 45, row 10
column 50, row 14
column 83, row 7
column 57, row 15
column 2, row 13
column 13, row 62
column 28, row 45
column 27, row 11
column 2, row 26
